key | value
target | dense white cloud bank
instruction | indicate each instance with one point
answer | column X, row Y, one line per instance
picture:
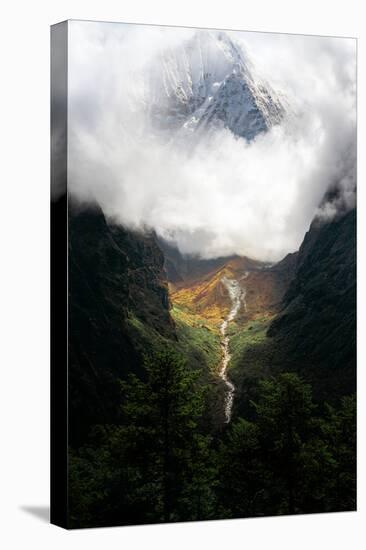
column 222, row 195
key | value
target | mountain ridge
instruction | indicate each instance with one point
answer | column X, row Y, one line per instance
column 209, row 83
column 317, row 322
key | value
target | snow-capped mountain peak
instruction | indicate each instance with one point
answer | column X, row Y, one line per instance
column 209, row 82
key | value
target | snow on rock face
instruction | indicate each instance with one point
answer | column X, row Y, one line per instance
column 208, row 82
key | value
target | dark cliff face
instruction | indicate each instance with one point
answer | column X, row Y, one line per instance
column 286, row 268
column 113, row 274
column 317, row 325
column 180, row 268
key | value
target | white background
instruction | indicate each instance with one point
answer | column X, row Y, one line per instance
column 24, row 273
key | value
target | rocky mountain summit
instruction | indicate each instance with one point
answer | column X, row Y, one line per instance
column 209, row 82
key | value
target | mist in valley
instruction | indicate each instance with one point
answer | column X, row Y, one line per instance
column 210, row 192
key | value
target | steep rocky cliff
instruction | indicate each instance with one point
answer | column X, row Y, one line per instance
column 317, row 325
column 116, row 282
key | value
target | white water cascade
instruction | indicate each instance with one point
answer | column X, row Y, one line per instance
column 237, row 295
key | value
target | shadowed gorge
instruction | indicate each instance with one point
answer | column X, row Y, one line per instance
column 187, row 372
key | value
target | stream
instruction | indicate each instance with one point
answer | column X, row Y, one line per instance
column 237, row 296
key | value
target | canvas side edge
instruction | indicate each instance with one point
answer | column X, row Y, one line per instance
column 59, row 276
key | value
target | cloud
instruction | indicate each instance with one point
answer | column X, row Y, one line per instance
column 222, row 196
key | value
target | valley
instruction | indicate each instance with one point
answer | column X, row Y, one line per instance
column 184, row 372
column 226, row 309
column 203, row 383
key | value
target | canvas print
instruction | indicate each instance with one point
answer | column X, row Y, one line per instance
column 204, row 274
